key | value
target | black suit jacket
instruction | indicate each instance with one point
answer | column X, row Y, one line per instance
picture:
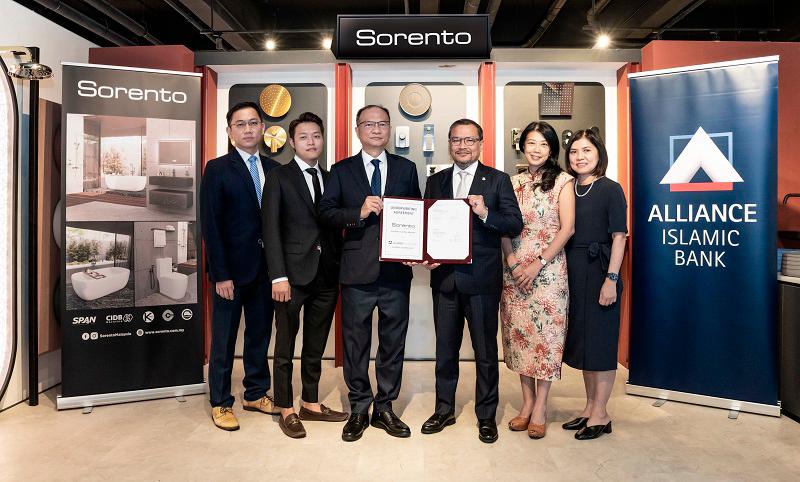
column 231, row 220
column 485, row 274
column 291, row 232
column 345, row 191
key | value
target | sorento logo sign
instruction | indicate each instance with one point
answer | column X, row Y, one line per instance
column 702, row 153
column 90, row 88
column 412, row 37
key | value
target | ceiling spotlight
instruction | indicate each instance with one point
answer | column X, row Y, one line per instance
column 326, row 43
column 603, row 41
column 270, row 44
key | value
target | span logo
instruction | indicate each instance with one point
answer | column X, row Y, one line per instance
column 701, row 152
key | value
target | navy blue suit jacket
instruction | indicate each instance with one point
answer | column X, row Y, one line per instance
column 231, row 220
column 485, row 274
column 345, row 190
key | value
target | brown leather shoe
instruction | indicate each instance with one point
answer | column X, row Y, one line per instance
column 292, row 426
column 518, row 423
column 326, row 415
column 264, row 404
column 536, row 431
column 224, row 418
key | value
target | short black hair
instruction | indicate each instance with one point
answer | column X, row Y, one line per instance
column 305, row 117
column 597, row 142
column 466, row 122
column 372, row 106
column 240, row 106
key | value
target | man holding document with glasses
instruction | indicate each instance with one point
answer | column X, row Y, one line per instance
column 470, row 291
column 353, row 201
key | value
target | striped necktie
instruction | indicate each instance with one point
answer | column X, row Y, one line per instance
column 256, row 178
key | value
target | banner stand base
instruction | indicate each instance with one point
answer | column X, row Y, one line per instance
column 693, row 398
column 88, row 401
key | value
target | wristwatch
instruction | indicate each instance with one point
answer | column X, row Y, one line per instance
column 543, row 261
column 612, row 276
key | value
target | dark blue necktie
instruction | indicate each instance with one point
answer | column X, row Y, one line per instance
column 375, row 184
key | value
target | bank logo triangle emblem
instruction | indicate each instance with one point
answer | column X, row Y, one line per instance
column 701, row 153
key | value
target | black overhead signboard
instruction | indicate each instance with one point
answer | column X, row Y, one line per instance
column 412, row 37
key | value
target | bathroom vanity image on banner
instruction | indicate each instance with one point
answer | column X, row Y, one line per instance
column 130, row 168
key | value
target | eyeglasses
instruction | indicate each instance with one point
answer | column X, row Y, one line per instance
column 369, row 125
column 470, row 141
column 241, row 125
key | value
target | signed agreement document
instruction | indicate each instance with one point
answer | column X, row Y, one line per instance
column 433, row 230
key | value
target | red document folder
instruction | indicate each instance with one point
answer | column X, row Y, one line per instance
column 426, row 205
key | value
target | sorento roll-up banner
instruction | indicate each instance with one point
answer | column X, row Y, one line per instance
column 704, row 326
column 132, row 325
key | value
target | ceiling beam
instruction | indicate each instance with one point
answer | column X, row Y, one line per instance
column 471, row 6
column 202, row 10
column 549, row 17
column 428, row 7
column 123, row 19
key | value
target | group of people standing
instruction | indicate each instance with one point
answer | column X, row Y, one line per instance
column 547, row 246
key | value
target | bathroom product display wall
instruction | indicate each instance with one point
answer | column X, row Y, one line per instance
column 448, row 104
column 521, row 101
column 131, row 323
column 305, row 98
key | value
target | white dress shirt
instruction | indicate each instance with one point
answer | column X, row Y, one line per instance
column 309, row 182
column 470, row 173
column 470, row 177
column 247, row 156
column 370, row 168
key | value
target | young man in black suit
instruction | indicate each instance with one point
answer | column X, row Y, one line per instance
column 471, row 290
column 303, row 266
column 352, row 200
column 230, row 210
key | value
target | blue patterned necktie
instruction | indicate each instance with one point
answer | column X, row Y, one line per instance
column 375, row 183
column 256, row 178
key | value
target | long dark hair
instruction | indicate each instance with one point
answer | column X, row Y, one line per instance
column 550, row 170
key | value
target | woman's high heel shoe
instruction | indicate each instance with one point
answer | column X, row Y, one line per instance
column 575, row 424
column 589, row 433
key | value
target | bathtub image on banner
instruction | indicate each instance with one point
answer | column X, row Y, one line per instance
column 130, row 263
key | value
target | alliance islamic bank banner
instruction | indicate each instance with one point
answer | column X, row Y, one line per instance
column 704, row 326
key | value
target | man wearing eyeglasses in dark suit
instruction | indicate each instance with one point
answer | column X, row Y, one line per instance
column 230, row 210
column 471, row 291
column 352, row 201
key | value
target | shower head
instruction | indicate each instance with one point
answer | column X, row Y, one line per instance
column 30, row 71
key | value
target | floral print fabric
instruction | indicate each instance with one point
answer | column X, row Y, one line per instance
column 534, row 325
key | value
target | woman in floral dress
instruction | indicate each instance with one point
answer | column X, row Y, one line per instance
column 533, row 307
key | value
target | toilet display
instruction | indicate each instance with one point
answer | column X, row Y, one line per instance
column 170, row 283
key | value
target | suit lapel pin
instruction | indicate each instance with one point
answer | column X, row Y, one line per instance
column 483, row 179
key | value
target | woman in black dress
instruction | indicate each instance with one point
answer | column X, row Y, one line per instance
column 594, row 256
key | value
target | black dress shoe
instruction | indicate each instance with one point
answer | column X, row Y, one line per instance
column 391, row 423
column 589, row 433
column 575, row 424
column 438, row 421
column 355, row 426
column 487, row 430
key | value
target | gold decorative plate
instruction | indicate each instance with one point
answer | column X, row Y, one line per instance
column 274, row 138
column 275, row 100
column 415, row 99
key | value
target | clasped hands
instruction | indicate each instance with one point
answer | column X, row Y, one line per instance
column 524, row 275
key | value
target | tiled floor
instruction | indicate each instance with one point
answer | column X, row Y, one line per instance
column 168, row 440
column 93, row 211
